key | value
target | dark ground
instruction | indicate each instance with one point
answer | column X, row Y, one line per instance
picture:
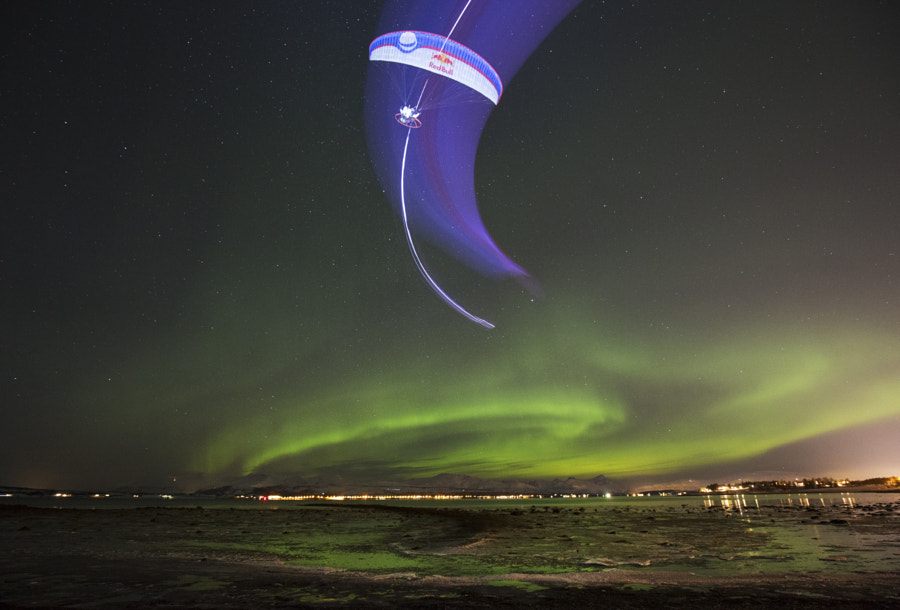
column 401, row 557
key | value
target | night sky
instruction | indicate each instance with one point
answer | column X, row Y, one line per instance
column 202, row 277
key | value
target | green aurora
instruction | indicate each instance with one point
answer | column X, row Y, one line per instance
column 525, row 417
column 579, row 400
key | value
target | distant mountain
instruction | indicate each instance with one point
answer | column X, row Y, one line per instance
column 445, row 483
column 459, row 483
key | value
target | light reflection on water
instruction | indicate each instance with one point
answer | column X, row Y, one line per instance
column 742, row 502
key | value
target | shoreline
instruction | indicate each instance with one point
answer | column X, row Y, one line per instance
column 357, row 555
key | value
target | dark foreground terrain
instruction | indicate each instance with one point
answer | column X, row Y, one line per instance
column 372, row 555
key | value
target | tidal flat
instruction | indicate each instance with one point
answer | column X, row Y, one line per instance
column 559, row 553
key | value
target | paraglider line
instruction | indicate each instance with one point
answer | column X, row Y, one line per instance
column 455, row 23
column 412, row 248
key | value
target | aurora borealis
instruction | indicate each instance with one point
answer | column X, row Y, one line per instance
column 202, row 277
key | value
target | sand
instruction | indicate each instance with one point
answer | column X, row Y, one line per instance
column 352, row 555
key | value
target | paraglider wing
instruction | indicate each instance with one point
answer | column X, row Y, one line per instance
column 437, row 69
column 440, row 55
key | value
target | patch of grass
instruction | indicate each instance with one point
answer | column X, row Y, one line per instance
column 529, row 587
column 359, row 561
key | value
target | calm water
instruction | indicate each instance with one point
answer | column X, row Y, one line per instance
column 737, row 502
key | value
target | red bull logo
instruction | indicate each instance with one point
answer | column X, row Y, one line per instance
column 441, row 63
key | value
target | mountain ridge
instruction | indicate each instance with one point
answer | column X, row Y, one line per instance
column 444, row 483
